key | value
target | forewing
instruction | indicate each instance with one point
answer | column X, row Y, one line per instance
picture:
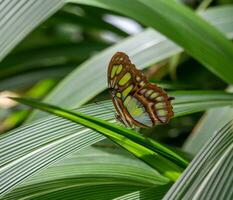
column 123, row 80
column 121, row 73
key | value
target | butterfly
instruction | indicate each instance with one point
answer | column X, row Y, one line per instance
column 138, row 102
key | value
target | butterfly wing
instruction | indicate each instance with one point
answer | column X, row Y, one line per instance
column 156, row 102
column 121, row 72
column 137, row 102
column 119, row 79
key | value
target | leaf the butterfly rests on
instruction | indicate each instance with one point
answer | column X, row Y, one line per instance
column 138, row 102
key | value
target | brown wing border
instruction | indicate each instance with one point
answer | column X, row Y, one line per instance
column 149, row 104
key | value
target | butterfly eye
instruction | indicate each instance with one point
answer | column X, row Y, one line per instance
column 112, row 91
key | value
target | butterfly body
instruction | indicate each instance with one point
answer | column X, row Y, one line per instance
column 138, row 102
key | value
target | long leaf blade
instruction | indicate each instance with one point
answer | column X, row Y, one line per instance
column 210, row 121
column 31, row 148
column 100, row 171
column 211, row 48
column 140, row 146
column 205, row 178
column 22, row 18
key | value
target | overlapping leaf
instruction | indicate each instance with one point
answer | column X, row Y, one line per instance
column 110, row 171
column 211, row 121
column 210, row 174
column 30, row 148
column 18, row 18
column 173, row 20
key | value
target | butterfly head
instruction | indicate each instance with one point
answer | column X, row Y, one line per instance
column 115, row 93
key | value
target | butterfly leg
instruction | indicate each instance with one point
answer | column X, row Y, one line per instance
column 136, row 128
column 121, row 120
column 118, row 118
column 127, row 125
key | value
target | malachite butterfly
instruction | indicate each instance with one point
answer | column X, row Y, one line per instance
column 138, row 103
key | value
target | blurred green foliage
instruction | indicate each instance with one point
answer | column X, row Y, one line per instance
column 60, row 47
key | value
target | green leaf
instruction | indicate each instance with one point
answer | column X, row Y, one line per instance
column 26, row 67
column 212, row 15
column 188, row 102
column 182, row 26
column 26, row 79
column 87, row 21
column 209, row 176
column 144, row 148
column 30, row 148
column 144, row 49
column 21, row 19
column 100, row 173
column 155, row 193
column 206, row 127
column 209, row 123
column 38, row 58
column 221, row 18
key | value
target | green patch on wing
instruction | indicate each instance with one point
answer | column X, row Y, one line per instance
column 137, row 111
column 127, row 91
column 119, row 69
column 125, row 79
column 114, row 69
